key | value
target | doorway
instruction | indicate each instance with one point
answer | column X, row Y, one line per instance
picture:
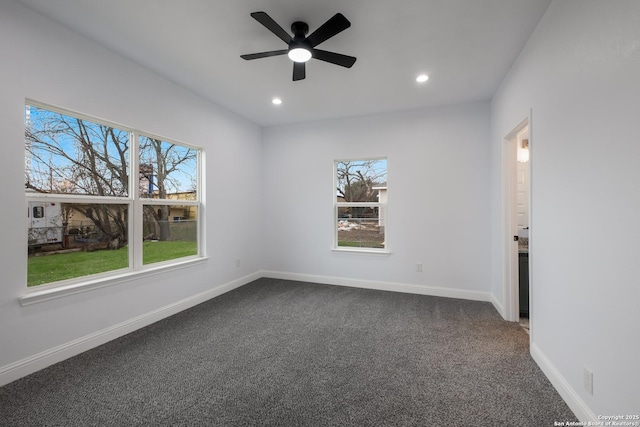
column 517, row 223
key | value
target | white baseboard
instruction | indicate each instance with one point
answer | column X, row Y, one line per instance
column 383, row 286
column 498, row 306
column 31, row 364
column 572, row 399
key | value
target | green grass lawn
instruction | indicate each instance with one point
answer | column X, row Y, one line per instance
column 56, row 267
column 163, row 251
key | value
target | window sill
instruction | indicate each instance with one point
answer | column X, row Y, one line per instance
column 367, row 251
column 35, row 295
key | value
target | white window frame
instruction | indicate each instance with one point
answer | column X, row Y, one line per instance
column 338, row 205
column 134, row 204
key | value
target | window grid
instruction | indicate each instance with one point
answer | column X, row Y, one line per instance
column 133, row 202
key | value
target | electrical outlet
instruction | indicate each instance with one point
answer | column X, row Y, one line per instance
column 588, row 380
column 238, row 262
column 419, row 267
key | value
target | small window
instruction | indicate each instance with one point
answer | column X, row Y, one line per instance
column 38, row 211
column 361, row 204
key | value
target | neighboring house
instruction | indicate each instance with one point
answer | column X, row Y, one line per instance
column 51, row 223
column 181, row 212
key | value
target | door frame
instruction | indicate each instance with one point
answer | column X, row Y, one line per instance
column 510, row 223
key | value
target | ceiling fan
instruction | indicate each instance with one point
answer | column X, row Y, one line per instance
column 302, row 48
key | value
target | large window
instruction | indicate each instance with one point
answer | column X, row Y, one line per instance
column 102, row 198
column 361, row 204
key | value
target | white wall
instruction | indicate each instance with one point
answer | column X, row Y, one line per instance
column 580, row 75
column 43, row 61
column 438, row 212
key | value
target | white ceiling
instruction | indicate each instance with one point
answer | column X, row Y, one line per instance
column 465, row 46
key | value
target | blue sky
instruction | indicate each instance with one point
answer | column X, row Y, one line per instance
column 61, row 136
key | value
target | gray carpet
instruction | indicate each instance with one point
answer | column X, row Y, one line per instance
column 286, row 353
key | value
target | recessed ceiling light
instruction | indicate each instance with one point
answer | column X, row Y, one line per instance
column 422, row 78
column 276, row 101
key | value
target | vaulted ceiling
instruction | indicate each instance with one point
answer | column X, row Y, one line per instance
column 465, row 47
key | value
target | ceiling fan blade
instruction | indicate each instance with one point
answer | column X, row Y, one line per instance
column 272, row 26
column 334, row 58
column 333, row 26
column 298, row 71
column 264, row 54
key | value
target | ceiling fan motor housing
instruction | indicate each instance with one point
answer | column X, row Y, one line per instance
column 299, row 30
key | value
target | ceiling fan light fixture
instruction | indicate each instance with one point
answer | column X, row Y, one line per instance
column 299, row 54
column 301, row 47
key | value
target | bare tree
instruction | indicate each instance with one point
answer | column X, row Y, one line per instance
column 164, row 163
column 67, row 155
column 81, row 157
column 356, row 179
